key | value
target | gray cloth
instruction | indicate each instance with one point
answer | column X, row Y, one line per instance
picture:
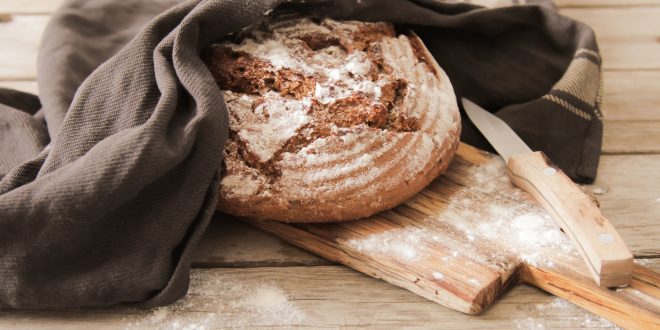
column 109, row 181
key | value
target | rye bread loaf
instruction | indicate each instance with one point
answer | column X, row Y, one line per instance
column 330, row 121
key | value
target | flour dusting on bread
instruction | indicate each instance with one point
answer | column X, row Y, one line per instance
column 330, row 120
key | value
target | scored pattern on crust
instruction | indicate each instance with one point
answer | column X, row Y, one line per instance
column 330, row 120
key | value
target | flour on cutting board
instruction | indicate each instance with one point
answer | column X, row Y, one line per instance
column 400, row 243
column 554, row 314
column 509, row 219
column 214, row 301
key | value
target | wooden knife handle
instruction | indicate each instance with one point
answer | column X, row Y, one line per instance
column 606, row 255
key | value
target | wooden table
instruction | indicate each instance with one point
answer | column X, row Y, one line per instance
column 235, row 262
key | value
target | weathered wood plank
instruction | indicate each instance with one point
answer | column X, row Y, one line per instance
column 630, row 137
column 29, row 86
column 326, row 296
column 627, row 36
column 642, row 55
column 19, row 41
column 627, row 24
column 29, row 6
column 632, row 200
column 631, row 95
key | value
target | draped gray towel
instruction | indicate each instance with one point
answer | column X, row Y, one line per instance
column 109, row 178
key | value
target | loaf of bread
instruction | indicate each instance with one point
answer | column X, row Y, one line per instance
column 329, row 120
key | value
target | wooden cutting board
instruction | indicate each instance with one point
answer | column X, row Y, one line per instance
column 467, row 238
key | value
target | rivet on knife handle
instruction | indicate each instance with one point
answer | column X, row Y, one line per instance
column 607, row 256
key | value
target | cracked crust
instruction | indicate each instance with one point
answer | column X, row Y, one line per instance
column 330, row 121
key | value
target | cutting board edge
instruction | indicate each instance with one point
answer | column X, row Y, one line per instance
column 477, row 304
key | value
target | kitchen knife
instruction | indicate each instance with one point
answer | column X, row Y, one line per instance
column 606, row 255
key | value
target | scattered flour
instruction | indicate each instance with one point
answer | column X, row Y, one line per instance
column 643, row 262
column 552, row 315
column 511, row 219
column 438, row 276
column 486, row 209
column 345, row 73
column 270, row 302
column 402, row 243
column 273, row 123
column 215, row 302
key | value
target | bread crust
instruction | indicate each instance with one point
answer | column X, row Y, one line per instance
column 330, row 121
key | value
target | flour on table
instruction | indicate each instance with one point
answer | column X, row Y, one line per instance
column 216, row 302
column 552, row 315
column 643, row 262
column 270, row 302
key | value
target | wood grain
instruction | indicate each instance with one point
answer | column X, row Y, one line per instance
column 632, row 200
column 628, row 37
column 631, row 137
column 29, row 6
column 619, row 25
column 29, row 86
column 326, row 296
column 631, row 95
column 20, row 38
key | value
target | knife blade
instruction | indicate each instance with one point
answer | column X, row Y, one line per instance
column 606, row 255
